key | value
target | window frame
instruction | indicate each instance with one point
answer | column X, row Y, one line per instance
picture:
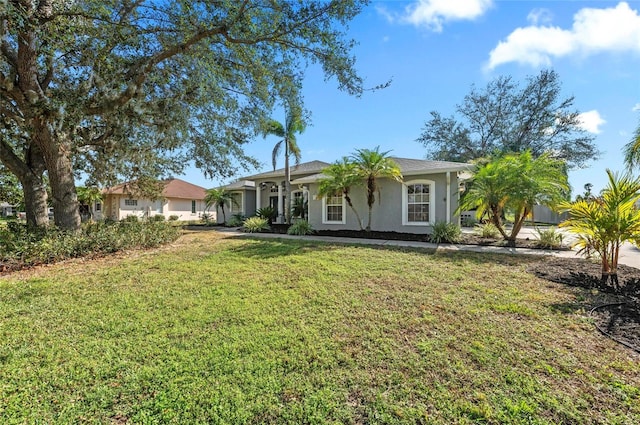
column 240, row 208
column 129, row 202
column 405, row 202
column 343, row 205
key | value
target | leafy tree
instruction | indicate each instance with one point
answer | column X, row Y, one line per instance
column 515, row 183
column 604, row 223
column 124, row 89
column 338, row 180
column 294, row 123
column 10, row 190
column 371, row 165
column 219, row 198
column 88, row 196
column 587, row 195
column 506, row 118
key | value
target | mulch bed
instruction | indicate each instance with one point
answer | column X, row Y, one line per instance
column 619, row 318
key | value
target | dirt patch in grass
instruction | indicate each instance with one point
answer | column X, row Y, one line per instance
column 619, row 317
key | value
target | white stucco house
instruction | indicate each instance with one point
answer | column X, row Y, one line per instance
column 429, row 193
column 179, row 198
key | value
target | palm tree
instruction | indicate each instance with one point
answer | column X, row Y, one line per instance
column 89, row 196
column 372, row 165
column 219, row 198
column 516, row 182
column 604, row 223
column 632, row 150
column 294, row 123
column 341, row 176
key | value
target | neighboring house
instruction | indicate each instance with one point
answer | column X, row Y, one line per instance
column 178, row 197
column 7, row 210
column 429, row 193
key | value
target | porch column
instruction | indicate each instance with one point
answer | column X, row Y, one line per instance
column 448, row 196
column 258, row 196
column 280, row 204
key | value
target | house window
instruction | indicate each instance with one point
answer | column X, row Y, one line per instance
column 130, row 202
column 417, row 203
column 193, row 207
column 333, row 208
column 236, row 203
column 98, row 206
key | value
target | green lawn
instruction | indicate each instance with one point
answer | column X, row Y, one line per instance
column 214, row 330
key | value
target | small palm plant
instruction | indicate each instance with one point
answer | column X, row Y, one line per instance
column 604, row 223
column 219, row 198
column 371, row 165
column 338, row 179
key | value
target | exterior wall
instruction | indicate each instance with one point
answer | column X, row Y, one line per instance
column 114, row 208
column 543, row 214
column 387, row 215
column 247, row 207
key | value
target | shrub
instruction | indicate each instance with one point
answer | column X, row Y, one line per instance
column 207, row 218
column 157, row 217
column 26, row 248
column 236, row 220
column 300, row 228
column 255, row 225
column 173, row 217
column 468, row 222
column 445, row 232
column 131, row 219
column 549, row 238
column 487, row 230
column 266, row 212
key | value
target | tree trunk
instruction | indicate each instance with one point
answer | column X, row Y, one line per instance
column 35, row 201
column 66, row 211
column 30, row 173
column 287, row 184
column 370, row 200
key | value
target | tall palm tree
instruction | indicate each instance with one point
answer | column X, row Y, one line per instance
column 604, row 223
column 219, row 198
column 371, row 165
column 339, row 178
column 294, row 123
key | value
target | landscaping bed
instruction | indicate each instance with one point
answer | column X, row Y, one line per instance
column 465, row 239
column 619, row 317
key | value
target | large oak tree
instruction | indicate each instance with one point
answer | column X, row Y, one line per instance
column 506, row 117
column 129, row 88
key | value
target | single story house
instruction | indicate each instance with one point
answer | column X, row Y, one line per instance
column 178, row 198
column 429, row 193
column 7, row 210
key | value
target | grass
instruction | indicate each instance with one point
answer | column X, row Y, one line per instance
column 236, row 331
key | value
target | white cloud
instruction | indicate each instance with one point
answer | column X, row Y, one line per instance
column 432, row 14
column 593, row 31
column 539, row 16
column 591, row 121
column 636, row 107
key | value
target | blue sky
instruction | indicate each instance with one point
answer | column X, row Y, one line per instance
column 434, row 50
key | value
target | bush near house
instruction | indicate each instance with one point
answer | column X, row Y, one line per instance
column 23, row 248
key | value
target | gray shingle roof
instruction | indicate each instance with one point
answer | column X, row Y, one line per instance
column 310, row 167
column 410, row 166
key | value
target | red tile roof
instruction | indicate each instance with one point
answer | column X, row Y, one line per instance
column 173, row 188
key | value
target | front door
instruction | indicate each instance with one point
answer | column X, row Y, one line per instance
column 273, row 203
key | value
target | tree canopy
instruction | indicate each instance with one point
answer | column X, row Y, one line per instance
column 123, row 89
column 505, row 117
column 515, row 183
